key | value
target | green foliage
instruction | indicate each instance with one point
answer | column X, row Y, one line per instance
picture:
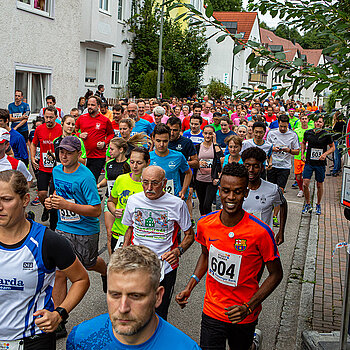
column 226, row 5
column 312, row 40
column 216, row 89
column 288, row 33
column 185, row 53
column 149, row 86
column 263, row 25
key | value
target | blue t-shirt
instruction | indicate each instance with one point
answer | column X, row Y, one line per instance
column 196, row 139
column 274, row 125
column 79, row 187
column 220, row 138
column 172, row 164
column 18, row 144
column 21, row 109
column 97, row 334
column 143, row 126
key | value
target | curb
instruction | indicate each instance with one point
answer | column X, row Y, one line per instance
column 289, row 335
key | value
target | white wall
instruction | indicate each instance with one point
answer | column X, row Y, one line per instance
column 35, row 40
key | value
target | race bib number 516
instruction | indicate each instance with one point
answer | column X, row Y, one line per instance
column 224, row 267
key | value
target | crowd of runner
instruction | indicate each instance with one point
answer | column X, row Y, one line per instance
column 153, row 158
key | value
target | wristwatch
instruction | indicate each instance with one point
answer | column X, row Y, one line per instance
column 62, row 312
column 181, row 250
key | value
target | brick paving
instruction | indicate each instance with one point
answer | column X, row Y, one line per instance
column 330, row 274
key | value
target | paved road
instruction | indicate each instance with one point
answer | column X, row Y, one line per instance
column 188, row 319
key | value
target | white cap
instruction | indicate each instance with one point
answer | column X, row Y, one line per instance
column 4, row 135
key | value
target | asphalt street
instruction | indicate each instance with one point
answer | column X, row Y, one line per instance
column 188, row 319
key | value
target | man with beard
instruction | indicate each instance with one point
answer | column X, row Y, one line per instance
column 96, row 131
column 133, row 295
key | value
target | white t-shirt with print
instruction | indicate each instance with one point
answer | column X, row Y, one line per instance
column 288, row 139
column 260, row 202
column 156, row 222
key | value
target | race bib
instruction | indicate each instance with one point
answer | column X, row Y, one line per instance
column 67, row 215
column 224, row 267
column 316, row 153
column 110, row 184
column 120, row 242
column 16, row 115
column 48, row 161
column 12, row 344
column 170, row 186
column 208, row 163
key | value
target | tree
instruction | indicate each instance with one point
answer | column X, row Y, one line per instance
column 217, row 89
column 326, row 18
column 149, row 86
column 288, row 33
column 263, row 25
column 227, row 5
column 311, row 40
column 185, row 52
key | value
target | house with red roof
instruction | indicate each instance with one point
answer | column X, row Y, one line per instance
column 223, row 65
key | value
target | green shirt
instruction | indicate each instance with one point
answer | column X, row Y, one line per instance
column 295, row 123
column 216, row 127
column 122, row 189
column 300, row 132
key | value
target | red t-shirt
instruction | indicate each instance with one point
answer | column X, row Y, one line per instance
column 45, row 136
column 186, row 124
column 115, row 127
column 99, row 128
column 235, row 257
column 147, row 117
column 270, row 119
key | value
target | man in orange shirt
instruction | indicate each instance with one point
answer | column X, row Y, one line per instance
column 235, row 244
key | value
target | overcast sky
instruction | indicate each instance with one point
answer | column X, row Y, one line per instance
column 271, row 22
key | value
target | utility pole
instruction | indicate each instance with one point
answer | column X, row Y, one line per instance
column 160, row 50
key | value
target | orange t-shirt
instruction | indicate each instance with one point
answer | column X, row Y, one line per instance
column 236, row 255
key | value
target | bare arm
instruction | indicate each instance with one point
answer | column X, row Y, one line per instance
column 283, row 218
column 193, row 162
column 127, row 236
column 187, row 181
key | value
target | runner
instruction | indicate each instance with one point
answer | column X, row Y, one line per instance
column 234, row 246
column 224, row 132
column 298, row 162
column 79, row 205
column 132, row 271
column 207, row 176
column 154, row 218
column 19, row 114
column 315, row 143
column 263, row 196
column 141, row 125
column 195, row 133
column 29, row 256
column 43, row 138
column 113, row 169
column 68, row 128
column 105, row 111
column 8, row 162
column 186, row 147
column 51, row 101
column 285, row 145
column 142, row 113
column 173, row 162
column 197, row 110
column 17, row 141
column 118, row 115
column 125, row 186
column 96, row 132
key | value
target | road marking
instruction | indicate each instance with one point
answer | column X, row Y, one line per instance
column 295, row 202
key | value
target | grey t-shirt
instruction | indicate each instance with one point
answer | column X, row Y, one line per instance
column 288, row 139
column 261, row 202
column 266, row 146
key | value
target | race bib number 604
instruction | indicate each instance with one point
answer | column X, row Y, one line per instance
column 224, row 267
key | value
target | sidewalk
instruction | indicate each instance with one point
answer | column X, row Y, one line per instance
column 330, row 274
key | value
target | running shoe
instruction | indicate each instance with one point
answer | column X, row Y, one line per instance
column 257, row 339
column 276, row 222
column 295, row 185
column 45, row 216
column 61, row 331
column 35, row 202
column 307, row 209
column 318, row 209
column 300, row 194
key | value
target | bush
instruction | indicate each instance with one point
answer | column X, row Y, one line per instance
column 149, row 86
column 217, row 89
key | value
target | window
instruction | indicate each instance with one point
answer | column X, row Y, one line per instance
column 91, row 67
column 120, row 9
column 115, row 70
column 35, row 86
column 42, row 7
column 104, row 5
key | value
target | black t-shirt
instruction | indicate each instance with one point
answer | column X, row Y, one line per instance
column 316, row 145
column 338, row 128
column 183, row 145
column 56, row 250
